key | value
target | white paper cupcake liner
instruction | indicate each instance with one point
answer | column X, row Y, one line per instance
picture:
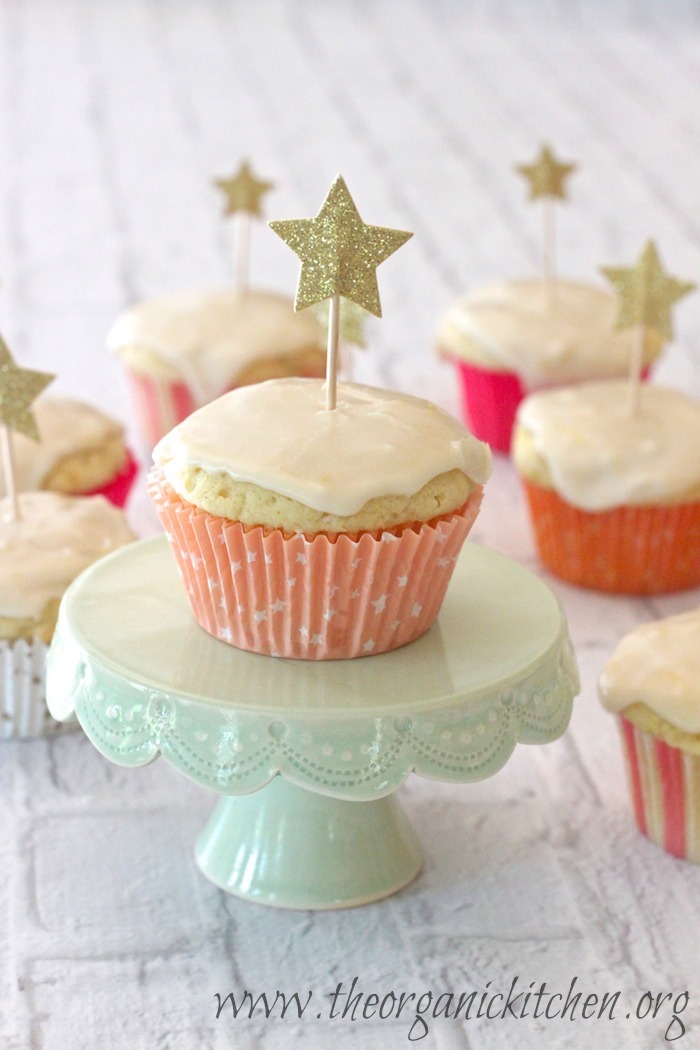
column 23, row 711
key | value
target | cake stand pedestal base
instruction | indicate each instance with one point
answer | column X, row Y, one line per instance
column 306, row 753
column 286, row 846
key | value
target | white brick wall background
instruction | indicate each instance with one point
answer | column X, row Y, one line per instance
column 113, row 118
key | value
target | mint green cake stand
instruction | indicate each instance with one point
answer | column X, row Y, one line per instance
column 307, row 754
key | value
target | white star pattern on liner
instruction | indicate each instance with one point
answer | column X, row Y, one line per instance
column 222, row 540
column 329, row 614
column 443, row 562
column 291, row 582
column 213, row 583
column 402, row 581
column 354, row 564
column 368, row 646
column 278, row 605
column 304, row 632
column 301, row 559
column 441, row 537
column 252, row 556
column 379, row 604
column 240, row 608
column 416, row 610
column 395, row 624
column 268, row 559
column 169, row 536
column 316, row 639
column 222, row 601
column 334, row 589
column 235, row 567
column 259, row 615
column 225, row 634
column 355, row 594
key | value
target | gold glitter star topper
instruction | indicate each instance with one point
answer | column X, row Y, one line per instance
column 243, row 193
column 546, row 177
column 19, row 387
column 646, row 295
column 339, row 256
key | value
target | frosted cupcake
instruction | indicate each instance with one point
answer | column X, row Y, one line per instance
column 55, row 538
column 182, row 351
column 652, row 684
column 614, row 495
column 81, row 452
column 312, row 534
column 509, row 338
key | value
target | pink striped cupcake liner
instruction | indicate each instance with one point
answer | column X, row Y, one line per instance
column 160, row 404
column 318, row 598
column 665, row 787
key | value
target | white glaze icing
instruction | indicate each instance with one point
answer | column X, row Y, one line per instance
column 280, row 436
column 601, row 455
column 658, row 664
column 66, row 427
column 545, row 338
column 55, row 538
column 210, row 336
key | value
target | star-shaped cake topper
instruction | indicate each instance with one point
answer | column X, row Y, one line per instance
column 546, row 175
column 243, row 191
column 646, row 294
column 339, row 252
column 19, row 388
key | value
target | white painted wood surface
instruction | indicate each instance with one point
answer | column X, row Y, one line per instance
column 113, row 117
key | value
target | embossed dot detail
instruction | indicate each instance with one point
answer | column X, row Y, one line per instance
column 278, row 730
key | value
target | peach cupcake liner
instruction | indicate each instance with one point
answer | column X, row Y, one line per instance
column 160, row 404
column 664, row 784
column 23, row 711
column 626, row 550
column 319, row 598
column 118, row 489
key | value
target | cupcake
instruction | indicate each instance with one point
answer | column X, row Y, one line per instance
column 614, row 494
column 317, row 534
column 182, row 351
column 81, row 453
column 55, row 538
column 652, row 684
column 512, row 337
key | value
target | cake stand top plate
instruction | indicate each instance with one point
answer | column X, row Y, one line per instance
column 142, row 677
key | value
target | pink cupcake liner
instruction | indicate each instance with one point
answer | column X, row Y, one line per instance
column 665, row 787
column 490, row 402
column 323, row 598
column 160, row 404
column 117, row 491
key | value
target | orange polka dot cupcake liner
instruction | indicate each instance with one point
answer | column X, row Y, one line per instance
column 311, row 598
column 626, row 550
